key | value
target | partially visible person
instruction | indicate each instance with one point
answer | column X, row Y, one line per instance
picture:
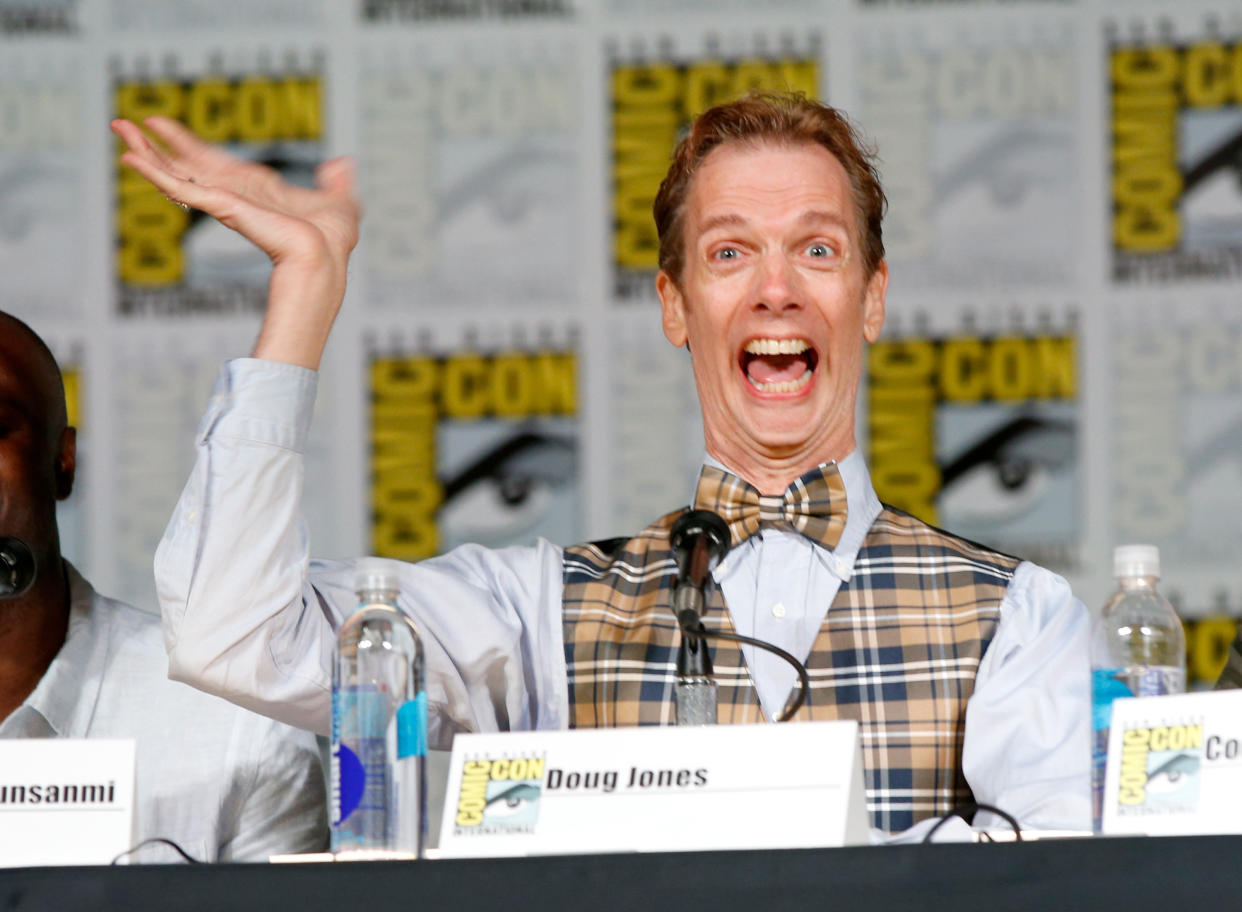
column 221, row 782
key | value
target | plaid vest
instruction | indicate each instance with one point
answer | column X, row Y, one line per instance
column 897, row 652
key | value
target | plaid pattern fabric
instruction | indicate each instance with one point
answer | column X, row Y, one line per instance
column 813, row 505
column 897, row 652
column 1231, row 674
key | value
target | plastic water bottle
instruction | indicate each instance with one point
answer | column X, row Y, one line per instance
column 379, row 725
column 1138, row 649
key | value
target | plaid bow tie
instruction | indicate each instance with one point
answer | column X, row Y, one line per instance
column 814, row 504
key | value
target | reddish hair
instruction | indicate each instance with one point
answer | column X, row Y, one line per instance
column 788, row 119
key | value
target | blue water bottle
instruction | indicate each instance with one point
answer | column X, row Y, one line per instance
column 379, row 725
column 1138, row 649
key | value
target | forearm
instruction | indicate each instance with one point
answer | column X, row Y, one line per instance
column 240, row 620
column 303, row 301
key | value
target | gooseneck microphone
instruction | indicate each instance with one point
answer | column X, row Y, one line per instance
column 699, row 540
column 17, row 567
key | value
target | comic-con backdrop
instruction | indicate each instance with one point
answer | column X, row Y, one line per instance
column 1061, row 370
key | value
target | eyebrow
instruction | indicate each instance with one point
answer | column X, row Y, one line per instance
column 810, row 216
column 818, row 216
column 721, row 221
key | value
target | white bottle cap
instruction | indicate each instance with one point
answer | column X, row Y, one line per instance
column 1136, row 560
column 377, row 574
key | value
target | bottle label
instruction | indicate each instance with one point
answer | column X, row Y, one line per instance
column 412, row 727
column 1107, row 684
column 359, row 759
column 351, row 781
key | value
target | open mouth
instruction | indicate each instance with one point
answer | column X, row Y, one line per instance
column 778, row 365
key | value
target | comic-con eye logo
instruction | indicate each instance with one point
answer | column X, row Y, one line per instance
column 500, row 795
column 472, row 447
column 1176, row 135
column 1160, row 769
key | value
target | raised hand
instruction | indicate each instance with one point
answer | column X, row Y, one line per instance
column 308, row 233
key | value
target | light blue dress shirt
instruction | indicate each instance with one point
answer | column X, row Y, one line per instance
column 249, row 616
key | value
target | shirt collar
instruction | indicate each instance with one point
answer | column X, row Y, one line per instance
column 65, row 696
column 863, row 505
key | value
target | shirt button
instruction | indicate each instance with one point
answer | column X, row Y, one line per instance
column 722, row 567
column 778, row 610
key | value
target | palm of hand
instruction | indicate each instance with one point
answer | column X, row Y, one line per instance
column 307, row 232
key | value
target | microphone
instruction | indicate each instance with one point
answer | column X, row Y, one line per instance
column 17, row 567
column 699, row 539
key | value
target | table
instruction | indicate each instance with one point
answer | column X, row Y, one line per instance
column 1184, row 873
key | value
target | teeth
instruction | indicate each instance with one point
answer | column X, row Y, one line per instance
column 777, row 347
column 785, row 386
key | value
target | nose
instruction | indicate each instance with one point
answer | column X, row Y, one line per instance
column 778, row 288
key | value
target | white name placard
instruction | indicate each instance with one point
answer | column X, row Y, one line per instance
column 65, row 801
column 1175, row 765
column 655, row 790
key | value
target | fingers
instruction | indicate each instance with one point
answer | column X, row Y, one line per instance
column 180, row 190
column 178, row 137
column 336, row 176
column 285, row 221
column 189, row 149
column 133, row 137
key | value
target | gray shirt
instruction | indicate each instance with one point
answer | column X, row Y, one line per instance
column 223, row 783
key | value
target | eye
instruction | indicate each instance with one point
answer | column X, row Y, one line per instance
column 512, row 801
column 819, row 251
column 727, row 253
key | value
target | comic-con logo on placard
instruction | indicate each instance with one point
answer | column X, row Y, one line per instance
column 1159, row 770
column 1176, row 155
column 499, row 795
column 473, row 447
column 169, row 261
column 653, row 101
column 979, row 434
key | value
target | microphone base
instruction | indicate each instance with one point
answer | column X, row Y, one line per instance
column 696, row 701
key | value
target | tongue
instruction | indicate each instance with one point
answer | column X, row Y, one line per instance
column 776, row 368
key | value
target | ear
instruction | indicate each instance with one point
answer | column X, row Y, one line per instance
column 66, row 462
column 672, row 309
column 873, row 302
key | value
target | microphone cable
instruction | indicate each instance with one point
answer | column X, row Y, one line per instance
column 157, row 840
column 804, row 690
column 699, row 540
column 972, row 808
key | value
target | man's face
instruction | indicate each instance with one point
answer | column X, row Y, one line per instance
column 36, row 457
column 775, row 304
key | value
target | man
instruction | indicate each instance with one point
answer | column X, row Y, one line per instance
column 966, row 669
column 222, row 783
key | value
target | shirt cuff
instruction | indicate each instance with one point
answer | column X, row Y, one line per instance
column 267, row 402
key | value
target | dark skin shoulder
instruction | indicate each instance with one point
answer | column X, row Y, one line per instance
column 37, row 462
